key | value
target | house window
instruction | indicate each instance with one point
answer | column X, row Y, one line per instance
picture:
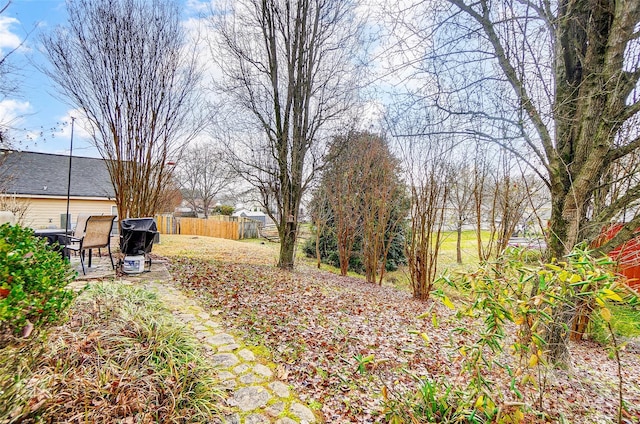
column 114, row 229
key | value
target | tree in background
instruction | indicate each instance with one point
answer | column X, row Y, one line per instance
column 226, row 210
column 203, row 176
column 555, row 83
column 290, row 72
column 171, row 197
column 18, row 207
column 125, row 65
column 429, row 178
column 507, row 198
column 362, row 205
column 383, row 202
column 321, row 214
column 344, row 182
column 8, row 201
column 481, row 174
column 461, row 198
column 427, row 163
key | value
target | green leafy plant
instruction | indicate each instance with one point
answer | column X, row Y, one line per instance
column 625, row 322
column 432, row 401
column 533, row 297
column 32, row 296
column 362, row 362
column 329, row 251
column 224, row 210
column 506, row 292
column 33, row 278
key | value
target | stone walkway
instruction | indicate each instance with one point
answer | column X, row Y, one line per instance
column 255, row 395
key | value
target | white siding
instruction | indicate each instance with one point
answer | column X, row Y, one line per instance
column 46, row 212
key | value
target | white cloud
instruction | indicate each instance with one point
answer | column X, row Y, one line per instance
column 8, row 40
column 12, row 110
column 80, row 128
column 197, row 6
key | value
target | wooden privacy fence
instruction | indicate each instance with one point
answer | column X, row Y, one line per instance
column 221, row 226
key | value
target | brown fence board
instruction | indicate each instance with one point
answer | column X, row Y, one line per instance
column 231, row 228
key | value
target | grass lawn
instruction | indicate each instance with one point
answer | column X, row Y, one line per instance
column 447, row 258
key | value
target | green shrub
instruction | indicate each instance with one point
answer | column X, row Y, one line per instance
column 329, row 252
column 525, row 255
column 309, row 247
column 538, row 300
column 33, row 278
column 224, row 210
column 518, row 305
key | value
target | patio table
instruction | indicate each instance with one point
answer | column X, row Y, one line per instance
column 56, row 238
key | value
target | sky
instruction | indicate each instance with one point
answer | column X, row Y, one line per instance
column 39, row 117
column 35, row 113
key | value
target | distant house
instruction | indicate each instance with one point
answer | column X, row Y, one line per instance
column 41, row 180
column 254, row 215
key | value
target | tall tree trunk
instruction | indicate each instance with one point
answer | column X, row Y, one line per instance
column 557, row 227
column 344, row 256
column 558, row 334
column 280, row 66
column 318, row 257
column 288, row 244
column 459, row 242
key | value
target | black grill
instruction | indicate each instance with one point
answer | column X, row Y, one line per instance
column 137, row 235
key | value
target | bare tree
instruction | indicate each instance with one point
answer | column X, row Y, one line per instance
column 126, row 66
column 18, row 207
column 429, row 182
column 427, row 161
column 553, row 82
column 9, row 84
column 507, row 197
column 480, row 177
column 292, row 65
column 9, row 201
column 170, row 198
column 343, row 182
column 382, row 201
column 556, row 84
column 461, row 199
column 203, row 176
column 321, row 213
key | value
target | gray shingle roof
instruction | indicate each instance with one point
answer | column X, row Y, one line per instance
column 47, row 174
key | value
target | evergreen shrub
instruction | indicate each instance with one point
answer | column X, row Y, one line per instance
column 33, row 278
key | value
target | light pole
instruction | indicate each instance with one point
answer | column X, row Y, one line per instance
column 66, row 218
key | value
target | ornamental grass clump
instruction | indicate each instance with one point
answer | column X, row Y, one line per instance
column 121, row 357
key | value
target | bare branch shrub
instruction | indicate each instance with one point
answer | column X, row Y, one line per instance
column 125, row 65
